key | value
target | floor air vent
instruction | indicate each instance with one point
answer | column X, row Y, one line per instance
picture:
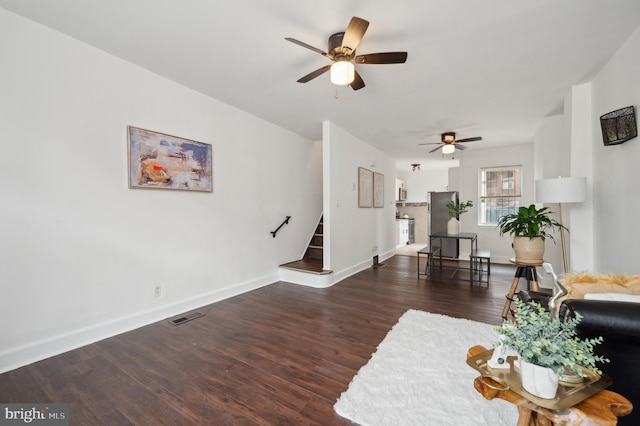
column 185, row 318
column 377, row 264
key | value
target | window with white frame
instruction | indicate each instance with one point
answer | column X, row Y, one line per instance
column 500, row 193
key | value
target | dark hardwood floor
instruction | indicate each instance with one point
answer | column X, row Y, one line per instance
column 278, row 355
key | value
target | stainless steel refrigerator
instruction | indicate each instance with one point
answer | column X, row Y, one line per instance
column 439, row 216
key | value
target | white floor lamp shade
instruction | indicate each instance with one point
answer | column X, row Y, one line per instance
column 562, row 190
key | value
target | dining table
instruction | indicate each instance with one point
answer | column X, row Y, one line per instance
column 440, row 236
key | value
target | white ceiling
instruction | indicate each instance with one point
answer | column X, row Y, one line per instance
column 491, row 68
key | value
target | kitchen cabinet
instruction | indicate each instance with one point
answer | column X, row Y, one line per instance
column 406, row 231
column 401, row 191
column 403, row 232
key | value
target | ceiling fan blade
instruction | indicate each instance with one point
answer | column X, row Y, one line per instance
column 354, row 33
column 314, row 74
column 430, row 143
column 478, row 138
column 358, row 82
column 434, row 149
column 305, row 45
column 460, row 147
column 382, row 58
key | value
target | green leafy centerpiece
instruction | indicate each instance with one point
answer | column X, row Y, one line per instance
column 549, row 344
column 455, row 209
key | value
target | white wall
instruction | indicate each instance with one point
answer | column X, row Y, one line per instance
column 552, row 159
column 551, row 151
column 615, row 180
column 470, row 165
column 578, row 130
column 80, row 253
column 420, row 183
column 354, row 234
column 603, row 235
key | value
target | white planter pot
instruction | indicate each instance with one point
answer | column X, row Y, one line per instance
column 528, row 250
column 453, row 226
column 539, row 381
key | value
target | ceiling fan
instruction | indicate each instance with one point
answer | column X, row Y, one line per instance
column 342, row 51
column 449, row 143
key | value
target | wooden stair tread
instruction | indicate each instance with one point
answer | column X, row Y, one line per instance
column 315, row 250
column 312, row 266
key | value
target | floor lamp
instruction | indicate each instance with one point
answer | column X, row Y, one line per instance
column 562, row 190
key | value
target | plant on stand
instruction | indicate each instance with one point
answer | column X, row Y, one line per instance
column 455, row 209
column 547, row 348
column 529, row 228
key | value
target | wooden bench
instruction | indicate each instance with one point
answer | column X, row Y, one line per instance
column 475, row 259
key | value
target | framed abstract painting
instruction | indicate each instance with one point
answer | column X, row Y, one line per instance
column 161, row 161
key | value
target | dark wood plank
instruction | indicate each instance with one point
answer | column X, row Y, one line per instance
column 308, row 265
column 281, row 354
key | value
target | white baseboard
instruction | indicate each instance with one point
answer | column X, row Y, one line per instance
column 24, row 355
column 306, row 278
column 327, row 280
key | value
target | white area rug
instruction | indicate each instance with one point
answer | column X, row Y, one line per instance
column 419, row 376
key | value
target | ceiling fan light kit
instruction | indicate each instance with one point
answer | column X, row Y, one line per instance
column 448, row 137
column 342, row 51
column 342, row 73
column 448, row 143
column 448, row 149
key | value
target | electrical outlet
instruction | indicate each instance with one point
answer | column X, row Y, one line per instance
column 157, row 290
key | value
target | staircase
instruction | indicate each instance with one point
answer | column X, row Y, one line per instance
column 312, row 261
column 315, row 249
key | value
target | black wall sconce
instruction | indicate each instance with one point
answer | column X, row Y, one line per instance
column 619, row 126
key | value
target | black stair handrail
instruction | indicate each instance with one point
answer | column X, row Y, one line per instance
column 286, row 221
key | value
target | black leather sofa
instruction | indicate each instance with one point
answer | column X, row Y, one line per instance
column 619, row 325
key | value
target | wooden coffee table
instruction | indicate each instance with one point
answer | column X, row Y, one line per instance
column 601, row 409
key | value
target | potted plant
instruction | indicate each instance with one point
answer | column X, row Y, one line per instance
column 529, row 228
column 546, row 347
column 455, row 209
